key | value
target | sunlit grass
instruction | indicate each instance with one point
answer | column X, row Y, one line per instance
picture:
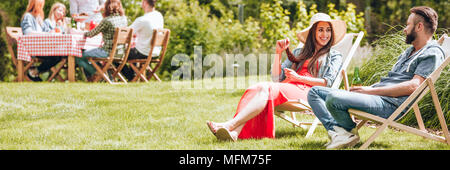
column 145, row 116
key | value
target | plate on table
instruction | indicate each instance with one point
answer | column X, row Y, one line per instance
column 81, row 18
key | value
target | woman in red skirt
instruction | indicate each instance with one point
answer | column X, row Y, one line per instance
column 316, row 64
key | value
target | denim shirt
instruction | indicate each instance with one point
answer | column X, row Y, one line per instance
column 328, row 69
column 422, row 63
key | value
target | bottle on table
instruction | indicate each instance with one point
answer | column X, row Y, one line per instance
column 74, row 24
column 67, row 25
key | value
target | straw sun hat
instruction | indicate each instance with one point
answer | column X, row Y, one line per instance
column 339, row 27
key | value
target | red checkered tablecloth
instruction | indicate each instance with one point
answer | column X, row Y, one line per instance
column 54, row 45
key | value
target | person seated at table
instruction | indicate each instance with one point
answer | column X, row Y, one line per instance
column 55, row 21
column 316, row 64
column 143, row 28
column 90, row 8
column 113, row 18
column 33, row 23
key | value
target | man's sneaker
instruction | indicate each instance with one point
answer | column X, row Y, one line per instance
column 343, row 138
column 331, row 134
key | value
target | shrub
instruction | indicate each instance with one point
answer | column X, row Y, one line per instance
column 275, row 23
column 6, row 70
column 303, row 16
column 192, row 25
column 237, row 37
column 387, row 48
column 354, row 21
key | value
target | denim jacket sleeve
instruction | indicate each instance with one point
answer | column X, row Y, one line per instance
column 330, row 69
column 27, row 24
column 288, row 64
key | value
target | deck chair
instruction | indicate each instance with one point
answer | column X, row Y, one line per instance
column 12, row 35
column 347, row 48
column 122, row 38
column 413, row 99
column 160, row 38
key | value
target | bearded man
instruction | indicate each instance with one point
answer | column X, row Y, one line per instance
column 413, row 66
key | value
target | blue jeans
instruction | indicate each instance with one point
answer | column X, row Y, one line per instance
column 84, row 62
column 331, row 106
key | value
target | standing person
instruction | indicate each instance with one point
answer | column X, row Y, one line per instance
column 91, row 8
column 33, row 23
column 56, row 19
column 114, row 17
column 413, row 66
column 314, row 65
column 143, row 28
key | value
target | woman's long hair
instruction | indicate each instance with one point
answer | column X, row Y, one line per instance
column 36, row 8
column 55, row 6
column 113, row 7
column 309, row 50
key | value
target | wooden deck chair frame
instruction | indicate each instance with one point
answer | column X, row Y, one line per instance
column 414, row 98
column 56, row 69
column 12, row 34
column 160, row 38
column 122, row 36
column 301, row 106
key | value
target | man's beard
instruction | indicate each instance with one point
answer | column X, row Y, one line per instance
column 411, row 36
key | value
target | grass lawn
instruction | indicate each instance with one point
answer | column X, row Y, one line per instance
column 146, row 116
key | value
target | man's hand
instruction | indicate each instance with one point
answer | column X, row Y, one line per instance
column 362, row 89
column 401, row 89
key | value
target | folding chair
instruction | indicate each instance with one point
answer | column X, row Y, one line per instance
column 122, row 37
column 160, row 38
column 56, row 69
column 413, row 99
column 12, row 34
column 347, row 49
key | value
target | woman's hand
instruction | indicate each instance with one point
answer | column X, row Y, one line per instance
column 282, row 45
column 291, row 75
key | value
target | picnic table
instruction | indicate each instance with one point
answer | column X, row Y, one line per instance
column 54, row 44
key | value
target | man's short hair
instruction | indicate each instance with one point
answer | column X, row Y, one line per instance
column 152, row 3
column 428, row 16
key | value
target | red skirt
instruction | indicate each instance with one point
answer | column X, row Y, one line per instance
column 263, row 125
